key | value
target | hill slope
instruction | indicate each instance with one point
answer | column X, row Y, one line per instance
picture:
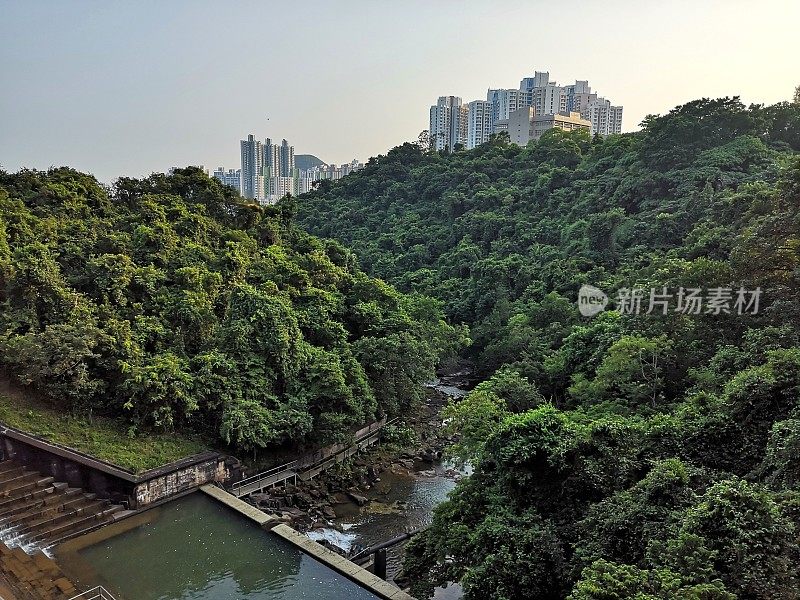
column 307, row 161
column 647, row 454
column 173, row 304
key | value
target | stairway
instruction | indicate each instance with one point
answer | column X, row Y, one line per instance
column 36, row 512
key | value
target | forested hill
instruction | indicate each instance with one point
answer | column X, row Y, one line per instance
column 173, row 304
column 624, row 455
column 505, row 236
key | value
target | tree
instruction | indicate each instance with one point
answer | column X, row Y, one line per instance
column 632, row 371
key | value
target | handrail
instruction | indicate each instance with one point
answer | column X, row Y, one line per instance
column 96, row 593
column 314, row 459
column 285, row 467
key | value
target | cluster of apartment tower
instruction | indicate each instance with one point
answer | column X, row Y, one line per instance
column 525, row 113
column 269, row 173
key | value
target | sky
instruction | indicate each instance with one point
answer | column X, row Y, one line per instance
column 129, row 88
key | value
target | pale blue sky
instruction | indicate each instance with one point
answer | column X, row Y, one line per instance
column 127, row 88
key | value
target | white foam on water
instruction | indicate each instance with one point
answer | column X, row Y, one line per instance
column 15, row 536
column 334, row 536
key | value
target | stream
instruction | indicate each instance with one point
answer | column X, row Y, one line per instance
column 401, row 501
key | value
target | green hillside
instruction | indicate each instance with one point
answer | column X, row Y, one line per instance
column 171, row 304
column 622, row 455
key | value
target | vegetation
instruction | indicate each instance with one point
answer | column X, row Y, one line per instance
column 172, row 304
column 103, row 438
column 625, row 455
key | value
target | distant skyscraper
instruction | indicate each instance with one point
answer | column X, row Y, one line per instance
column 528, row 84
column 504, row 102
column 280, row 187
column 287, row 159
column 480, row 123
column 452, row 123
column 230, row 178
column 272, row 159
column 448, row 123
column 269, row 171
column 252, row 175
column 606, row 119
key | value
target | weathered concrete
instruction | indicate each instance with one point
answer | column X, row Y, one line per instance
column 263, row 519
column 34, row 577
column 338, row 563
column 111, row 481
column 341, row 565
column 178, row 479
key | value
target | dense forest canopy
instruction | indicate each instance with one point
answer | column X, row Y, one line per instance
column 172, row 303
column 622, row 455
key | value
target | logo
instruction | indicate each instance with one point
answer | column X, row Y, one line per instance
column 591, row 300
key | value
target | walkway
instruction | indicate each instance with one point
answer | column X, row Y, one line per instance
column 309, row 466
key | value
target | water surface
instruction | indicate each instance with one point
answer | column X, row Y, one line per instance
column 194, row 548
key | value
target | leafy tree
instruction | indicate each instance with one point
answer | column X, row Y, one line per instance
column 174, row 303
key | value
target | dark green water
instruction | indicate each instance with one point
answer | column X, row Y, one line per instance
column 197, row 549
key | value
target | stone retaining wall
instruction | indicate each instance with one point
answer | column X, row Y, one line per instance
column 111, row 481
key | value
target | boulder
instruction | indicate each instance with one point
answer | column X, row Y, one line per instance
column 358, row 499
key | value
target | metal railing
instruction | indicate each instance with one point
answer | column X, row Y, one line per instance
column 309, row 461
column 96, row 593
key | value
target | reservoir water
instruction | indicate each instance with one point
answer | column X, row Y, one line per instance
column 194, row 548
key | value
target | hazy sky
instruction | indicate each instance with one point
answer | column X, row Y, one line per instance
column 127, row 88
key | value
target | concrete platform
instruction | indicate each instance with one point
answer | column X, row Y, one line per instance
column 338, row 563
column 263, row 519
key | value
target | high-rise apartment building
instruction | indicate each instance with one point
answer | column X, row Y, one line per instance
column 287, row 159
column 448, row 123
column 480, row 122
column 606, row 119
column 269, row 171
column 280, row 187
column 451, row 122
column 528, row 84
column 230, row 178
column 252, row 175
column 504, row 102
column 272, row 159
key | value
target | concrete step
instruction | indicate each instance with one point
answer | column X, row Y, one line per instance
column 84, row 508
column 32, row 491
column 11, row 474
column 69, row 527
column 7, row 465
column 46, row 512
column 18, row 480
column 31, row 484
column 40, row 499
column 114, row 513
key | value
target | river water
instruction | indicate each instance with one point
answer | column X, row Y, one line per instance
column 403, row 500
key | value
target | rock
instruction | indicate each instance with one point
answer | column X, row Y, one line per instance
column 428, row 456
column 303, row 500
column 328, row 512
column 358, row 499
column 293, row 513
